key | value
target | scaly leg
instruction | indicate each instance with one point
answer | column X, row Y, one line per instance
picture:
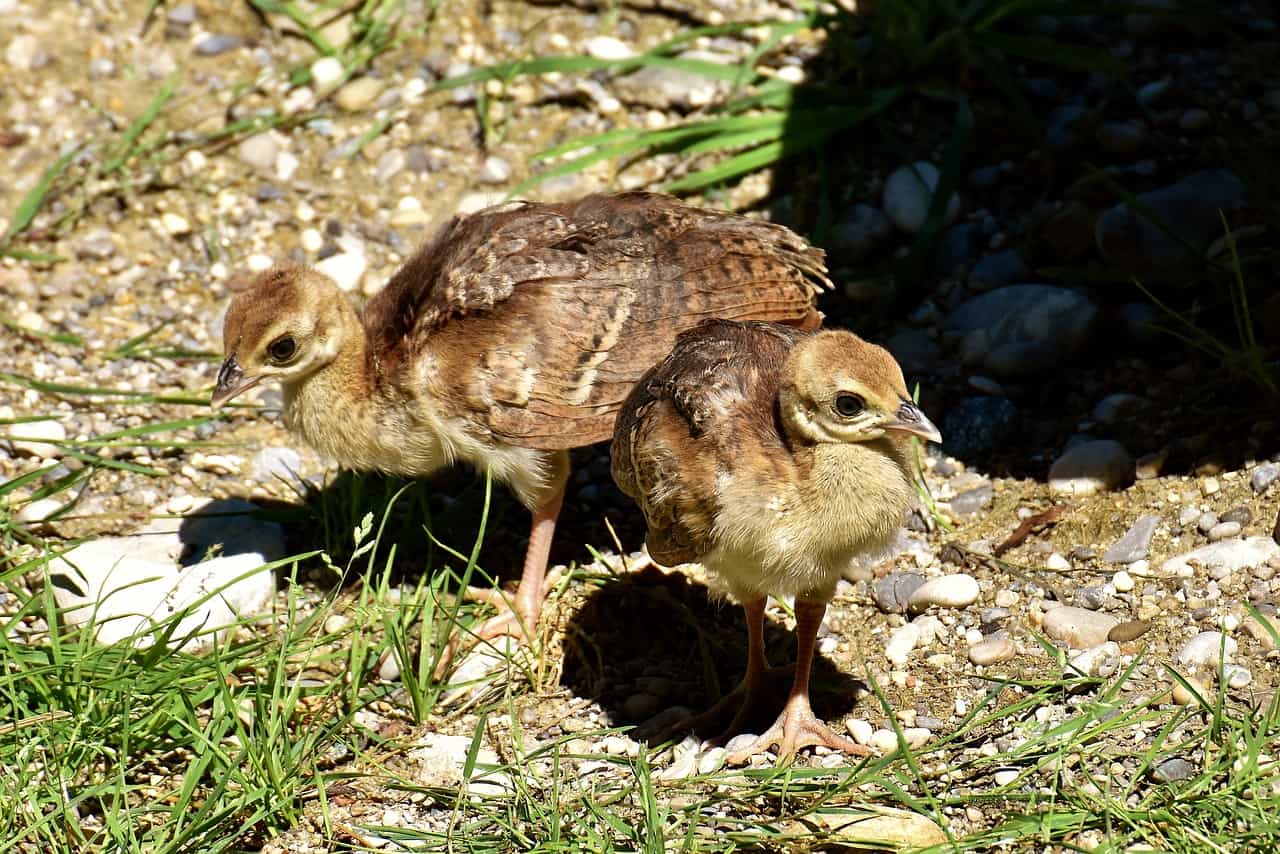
column 797, row 727
column 518, row 616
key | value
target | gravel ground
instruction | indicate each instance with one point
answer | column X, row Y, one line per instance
column 1142, row 478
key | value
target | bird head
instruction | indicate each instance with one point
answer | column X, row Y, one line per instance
column 287, row 324
column 839, row 388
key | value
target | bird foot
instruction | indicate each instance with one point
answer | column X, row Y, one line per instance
column 741, row 703
column 517, row 617
column 795, row 728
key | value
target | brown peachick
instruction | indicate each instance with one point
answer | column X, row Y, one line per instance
column 772, row 456
column 512, row 336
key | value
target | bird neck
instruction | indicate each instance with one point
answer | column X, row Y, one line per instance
column 866, row 484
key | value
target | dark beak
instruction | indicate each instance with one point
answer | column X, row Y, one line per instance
column 231, row 382
column 914, row 422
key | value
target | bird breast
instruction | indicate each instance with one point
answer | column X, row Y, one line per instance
column 795, row 535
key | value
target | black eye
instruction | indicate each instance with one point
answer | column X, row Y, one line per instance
column 282, row 349
column 849, row 405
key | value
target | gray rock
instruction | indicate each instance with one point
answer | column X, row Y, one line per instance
column 183, row 14
column 37, row 438
column 1118, row 408
column 1150, row 94
column 664, row 87
column 977, row 425
column 227, row 526
column 1224, row 530
column 908, row 193
column 973, row 500
column 1091, row 598
column 1173, row 770
column 858, row 232
column 1135, row 545
column 392, row 162
column 992, row 650
column 1240, row 515
column 915, row 350
column 1079, row 628
column 271, row 464
column 1089, row 467
column 260, row 151
column 894, row 591
column 958, row 246
column 1205, row 521
column 998, row 268
column 1028, row 328
column 1190, row 209
column 1263, row 476
column 213, row 45
column 1206, row 650
column 1188, row 515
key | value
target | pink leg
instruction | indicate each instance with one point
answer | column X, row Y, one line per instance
column 517, row 617
column 797, row 727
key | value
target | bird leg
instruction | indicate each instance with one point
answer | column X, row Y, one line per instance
column 797, row 727
column 746, row 697
column 517, row 616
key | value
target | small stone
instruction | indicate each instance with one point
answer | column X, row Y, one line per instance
column 1210, row 486
column 1089, row 467
column 1005, row 777
column 1079, row 628
column 973, row 501
column 175, row 224
column 1057, row 562
column 276, row 464
column 1260, row 633
column 1263, row 476
column 1173, row 770
column 37, row 511
column 213, row 45
column 993, row 650
column 858, row 232
column 1188, row 515
column 1184, row 696
column 1127, row 631
column 336, row 623
column 358, row 94
column 1136, row 542
column 908, row 193
column 1118, row 408
column 884, row 741
column 859, row 730
column 1237, row 677
column 37, row 438
column 608, row 47
column 1206, row 650
column 950, row 591
column 260, row 150
column 327, row 72
column 389, row 669
column 711, row 761
column 495, row 170
column 1122, row 582
column 916, row 736
column 1000, row 268
column 978, row 425
column 1240, row 515
column 1092, row 598
column 1206, row 521
column 1224, row 530
column 345, row 268
column 901, row 643
column 894, row 591
column 1090, row 661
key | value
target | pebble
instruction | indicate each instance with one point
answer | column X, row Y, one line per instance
column 389, row 668
column 1189, row 209
column 1121, row 137
column 214, row 45
column 1232, row 555
column 908, row 192
column 1091, row 661
column 858, row 232
column 1242, row 515
column 884, row 741
column 1056, row 561
column 978, row 425
column 973, row 501
column 1263, row 476
column 358, row 94
column 916, row 736
column 1079, row 628
column 950, row 591
column 261, row 150
column 175, row 224
column 1223, row 530
column 1237, row 677
column 1210, row 486
column 1136, row 542
column 901, row 642
column 327, row 72
column 859, row 730
column 1206, row 650
column 993, row 650
column 1188, row 515
column 894, row 591
column 495, row 170
column 1173, row 770
column 608, row 47
column 666, row 88
column 1194, row 119
column 272, row 464
column 1128, row 631
column 1021, row 329
column 37, row 438
column 1206, row 521
column 1118, row 408
column 1005, row 777
column 1260, row 633
column 39, row 510
column 999, row 268
column 1091, row 598
column 345, row 268
column 1089, row 467
column 1183, row 696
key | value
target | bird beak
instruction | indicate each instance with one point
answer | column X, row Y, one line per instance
column 912, row 421
column 231, row 382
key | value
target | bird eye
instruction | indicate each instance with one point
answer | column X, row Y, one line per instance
column 849, row 405
column 282, row 349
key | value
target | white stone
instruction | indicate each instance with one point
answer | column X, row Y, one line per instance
column 1005, row 777
column 992, row 651
column 39, row 510
column 36, row 438
column 608, row 47
column 859, row 730
column 439, row 761
column 1122, row 581
column 327, row 72
column 950, row 591
column 1207, row 649
column 1232, row 555
column 916, row 736
column 1237, row 677
column 1090, row 467
column 901, row 642
column 908, row 192
column 287, row 165
column 311, row 239
column 175, row 224
column 258, row 262
column 1056, row 561
column 345, row 268
column 1080, row 628
column 884, row 740
column 1089, row 661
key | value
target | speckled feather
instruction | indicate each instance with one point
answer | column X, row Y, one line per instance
column 548, row 313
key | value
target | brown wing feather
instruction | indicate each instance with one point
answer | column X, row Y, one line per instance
column 691, row 417
column 562, row 307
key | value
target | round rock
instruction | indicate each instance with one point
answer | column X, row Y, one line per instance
column 950, row 591
column 36, row 438
column 1205, row 650
column 908, row 193
column 992, row 650
column 1089, row 467
column 1079, row 628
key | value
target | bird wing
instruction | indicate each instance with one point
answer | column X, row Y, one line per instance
column 550, row 313
column 689, row 421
